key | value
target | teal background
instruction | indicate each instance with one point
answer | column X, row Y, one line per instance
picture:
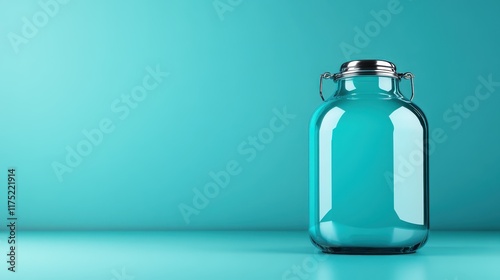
column 226, row 75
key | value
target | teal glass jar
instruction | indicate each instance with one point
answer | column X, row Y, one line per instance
column 369, row 181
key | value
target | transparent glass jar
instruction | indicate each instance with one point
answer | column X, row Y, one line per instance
column 369, row 179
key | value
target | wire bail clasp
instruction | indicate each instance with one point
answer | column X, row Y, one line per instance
column 335, row 77
column 326, row 75
column 409, row 76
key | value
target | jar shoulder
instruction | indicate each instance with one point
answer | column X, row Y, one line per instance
column 337, row 110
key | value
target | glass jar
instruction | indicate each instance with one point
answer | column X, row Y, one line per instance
column 369, row 178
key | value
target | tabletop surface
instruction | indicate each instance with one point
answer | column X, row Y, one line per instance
column 144, row 255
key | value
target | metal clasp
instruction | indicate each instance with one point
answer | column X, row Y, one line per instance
column 326, row 75
column 334, row 77
column 409, row 76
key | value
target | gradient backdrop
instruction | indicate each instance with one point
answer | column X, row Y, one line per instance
column 179, row 89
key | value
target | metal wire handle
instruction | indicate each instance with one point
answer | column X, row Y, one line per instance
column 409, row 76
column 328, row 75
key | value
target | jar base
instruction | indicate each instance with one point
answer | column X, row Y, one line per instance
column 346, row 250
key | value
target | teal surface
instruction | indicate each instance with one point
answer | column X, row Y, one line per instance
column 194, row 114
column 243, row 255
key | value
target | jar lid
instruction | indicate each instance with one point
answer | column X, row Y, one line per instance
column 367, row 68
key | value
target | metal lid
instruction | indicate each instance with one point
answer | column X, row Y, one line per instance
column 367, row 68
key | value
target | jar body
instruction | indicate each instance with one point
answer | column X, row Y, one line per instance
column 368, row 189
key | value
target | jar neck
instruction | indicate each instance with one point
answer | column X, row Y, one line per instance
column 368, row 86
